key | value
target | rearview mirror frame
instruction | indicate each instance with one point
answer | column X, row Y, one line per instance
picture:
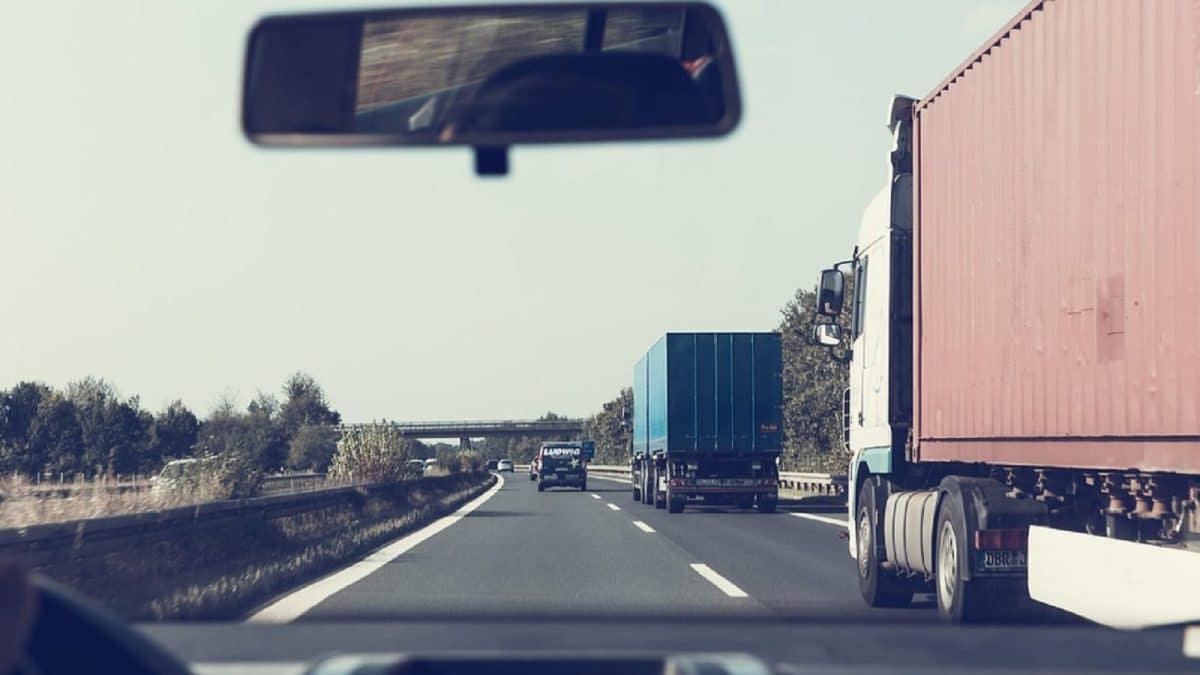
column 282, row 66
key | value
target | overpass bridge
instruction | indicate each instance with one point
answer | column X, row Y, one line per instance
column 465, row 430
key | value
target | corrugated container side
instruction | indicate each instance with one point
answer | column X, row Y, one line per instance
column 1058, row 253
column 715, row 392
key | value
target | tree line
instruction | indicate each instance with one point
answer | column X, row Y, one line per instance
column 88, row 429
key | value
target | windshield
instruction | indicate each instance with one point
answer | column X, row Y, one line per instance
column 359, row 340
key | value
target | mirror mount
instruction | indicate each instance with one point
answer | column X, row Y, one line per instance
column 491, row 160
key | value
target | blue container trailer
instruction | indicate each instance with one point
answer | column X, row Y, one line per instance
column 707, row 420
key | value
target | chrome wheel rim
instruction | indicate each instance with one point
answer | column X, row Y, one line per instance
column 947, row 563
column 864, row 544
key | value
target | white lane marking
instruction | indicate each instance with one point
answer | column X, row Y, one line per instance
column 727, row 587
column 614, row 479
column 292, row 605
column 1191, row 642
column 840, row 522
column 595, row 496
column 614, row 507
column 642, row 526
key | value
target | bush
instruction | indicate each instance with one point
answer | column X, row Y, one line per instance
column 235, row 474
column 375, row 454
column 470, row 461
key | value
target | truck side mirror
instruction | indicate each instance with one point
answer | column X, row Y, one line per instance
column 827, row 334
column 830, row 292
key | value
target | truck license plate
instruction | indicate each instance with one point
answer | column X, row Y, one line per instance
column 1003, row 561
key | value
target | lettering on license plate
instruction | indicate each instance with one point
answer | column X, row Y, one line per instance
column 1001, row 561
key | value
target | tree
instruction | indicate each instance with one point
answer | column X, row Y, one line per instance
column 18, row 408
column 305, row 403
column 813, row 382
column 173, row 434
column 612, row 429
column 312, row 447
column 115, row 433
column 55, row 440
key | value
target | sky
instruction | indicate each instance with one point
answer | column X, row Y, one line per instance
column 145, row 241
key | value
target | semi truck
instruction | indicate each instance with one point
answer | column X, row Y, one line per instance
column 707, row 421
column 1023, row 407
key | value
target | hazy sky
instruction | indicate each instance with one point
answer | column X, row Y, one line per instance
column 145, row 241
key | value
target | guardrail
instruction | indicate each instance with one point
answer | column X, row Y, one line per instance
column 270, row 485
column 790, row 481
column 52, row 543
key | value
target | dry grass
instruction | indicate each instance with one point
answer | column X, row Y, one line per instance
column 24, row 503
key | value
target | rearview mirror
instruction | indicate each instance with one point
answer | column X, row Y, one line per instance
column 831, row 292
column 827, row 334
column 491, row 76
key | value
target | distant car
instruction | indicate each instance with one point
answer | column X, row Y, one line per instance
column 415, row 467
column 561, row 466
column 181, row 474
column 505, row 465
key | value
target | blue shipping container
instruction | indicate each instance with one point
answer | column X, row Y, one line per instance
column 710, row 393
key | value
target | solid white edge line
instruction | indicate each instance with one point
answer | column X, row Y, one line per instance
column 726, row 586
column 614, row 507
column 1191, row 642
column 830, row 520
column 643, row 527
column 296, row 603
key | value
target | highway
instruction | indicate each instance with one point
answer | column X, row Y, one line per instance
column 598, row 552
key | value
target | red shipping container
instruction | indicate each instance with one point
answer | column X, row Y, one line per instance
column 1057, row 251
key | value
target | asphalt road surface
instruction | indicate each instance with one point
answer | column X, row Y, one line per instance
column 599, row 551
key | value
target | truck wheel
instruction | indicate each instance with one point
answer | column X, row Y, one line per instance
column 647, row 487
column 879, row 587
column 541, row 487
column 660, row 501
column 637, row 492
column 958, row 600
column 766, row 505
column 675, row 504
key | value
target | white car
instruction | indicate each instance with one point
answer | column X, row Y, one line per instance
column 505, row 465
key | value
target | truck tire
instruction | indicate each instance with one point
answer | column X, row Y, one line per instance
column 675, row 504
column 879, row 587
column 958, row 600
column 637, row 492
column 659, row 503
column 766, row 505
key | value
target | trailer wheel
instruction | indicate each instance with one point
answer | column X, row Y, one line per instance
column 660, row 501
column 766, row 505
column 879, row 587
column 675, row 504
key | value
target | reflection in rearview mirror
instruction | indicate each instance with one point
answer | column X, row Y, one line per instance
column 491, row 76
